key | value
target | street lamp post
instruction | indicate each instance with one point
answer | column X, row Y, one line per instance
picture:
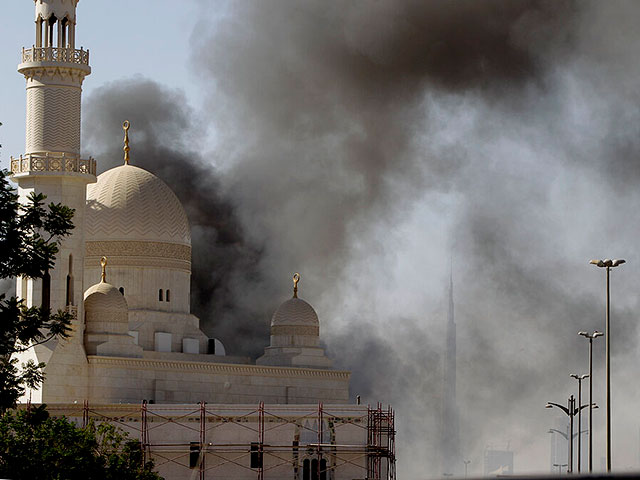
column 579, row 378
column 608, row 264
column 590, row 336
column 466, row 466
column 571, row 410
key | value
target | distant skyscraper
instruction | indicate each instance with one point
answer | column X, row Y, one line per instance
column 450, row 429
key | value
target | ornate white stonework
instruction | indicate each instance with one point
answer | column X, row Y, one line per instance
column 134, row 336
column 53, row 164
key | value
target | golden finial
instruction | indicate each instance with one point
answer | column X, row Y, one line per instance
column 103, row 264
column 125, row 127
column 296, row 279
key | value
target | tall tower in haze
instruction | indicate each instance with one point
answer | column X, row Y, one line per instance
column 450, row 427
column 54, row 71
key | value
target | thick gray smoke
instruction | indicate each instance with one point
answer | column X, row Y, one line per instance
column 363, row 144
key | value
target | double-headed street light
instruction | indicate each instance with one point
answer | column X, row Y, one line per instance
column 579, row 378
column 571, row 410
column 590, row 337
column 608, row 264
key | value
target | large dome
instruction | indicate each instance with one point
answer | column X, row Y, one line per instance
column 129, row 203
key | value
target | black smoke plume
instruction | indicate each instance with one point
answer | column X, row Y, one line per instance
column 346, row 137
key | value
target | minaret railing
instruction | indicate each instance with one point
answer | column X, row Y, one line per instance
column 53, row 162
column 55, row 54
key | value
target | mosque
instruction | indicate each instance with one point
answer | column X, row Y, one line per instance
column 136, row 352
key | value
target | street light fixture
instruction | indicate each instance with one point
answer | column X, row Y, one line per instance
column 608, row 264
column 571, row 410
column 466, row 466
column 579, row 378
column 590, row 337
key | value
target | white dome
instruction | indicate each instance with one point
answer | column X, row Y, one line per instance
column 294, row 311
column 129, row 203
column 104, row 297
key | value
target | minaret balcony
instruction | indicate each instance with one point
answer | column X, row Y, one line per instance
column 55, row 54
column 55, row 57
column 52, row 164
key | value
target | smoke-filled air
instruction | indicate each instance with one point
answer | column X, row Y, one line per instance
column 371, row 146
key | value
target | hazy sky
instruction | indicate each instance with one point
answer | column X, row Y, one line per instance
column 366, row 143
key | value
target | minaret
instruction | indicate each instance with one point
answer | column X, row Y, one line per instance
column 54, row 70
column 450, row 434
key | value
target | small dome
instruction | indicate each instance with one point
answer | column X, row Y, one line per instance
column 130, row 203
column 294, row 311
column 104, row 297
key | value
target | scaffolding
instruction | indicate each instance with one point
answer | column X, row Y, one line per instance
column 215, row 441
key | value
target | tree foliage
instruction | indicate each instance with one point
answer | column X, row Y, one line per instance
column 34, row 445
column 30, row 236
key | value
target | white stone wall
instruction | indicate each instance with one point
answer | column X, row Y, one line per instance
column 179, row 325
column 69, row 191
column 130, row 380
column 141, row 284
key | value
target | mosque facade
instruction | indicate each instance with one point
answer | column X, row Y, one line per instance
column 124, row 275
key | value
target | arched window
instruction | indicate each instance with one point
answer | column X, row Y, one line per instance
column 121, row 290
column 64, row 24
column 39, row 24
column 50, row 34
column 306, row 471
column 167, row 295
column 160, row 295
column 314, row 469
column 323, row 469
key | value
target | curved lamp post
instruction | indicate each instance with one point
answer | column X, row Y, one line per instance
column 579, row 378
column 590, row 337
column 571, row 410
column 608, row 264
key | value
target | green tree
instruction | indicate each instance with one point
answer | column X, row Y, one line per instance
column 34, row 445
column 30, row 235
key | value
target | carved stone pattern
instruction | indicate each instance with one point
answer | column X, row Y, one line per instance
column 218, row 368
column 167, row 263
column 139, row 249
column 53, row 119
column 73, row 76
column 295, row 330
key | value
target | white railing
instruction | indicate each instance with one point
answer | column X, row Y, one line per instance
column 52, row 162
column 55, row 54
